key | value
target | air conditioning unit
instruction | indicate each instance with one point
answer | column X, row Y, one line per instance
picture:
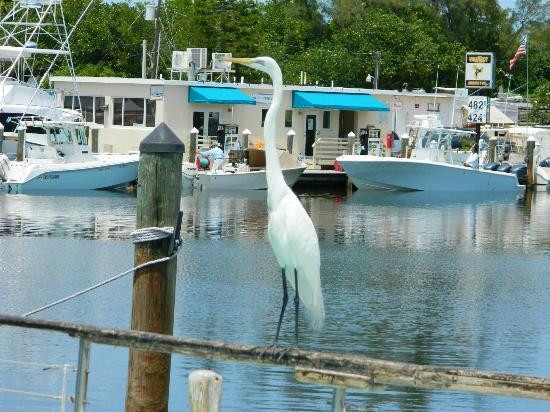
column 219, row 64
column 180, row 61
column 199, row 57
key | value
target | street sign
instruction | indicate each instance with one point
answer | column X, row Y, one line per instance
column 478, row 109
column 480, row 70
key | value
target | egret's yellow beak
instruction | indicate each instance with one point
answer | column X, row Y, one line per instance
column 239, row 60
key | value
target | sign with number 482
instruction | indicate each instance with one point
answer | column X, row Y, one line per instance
column 478, row 109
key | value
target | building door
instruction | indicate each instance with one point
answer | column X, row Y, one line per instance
column 206, row 123
column 311, row 131
column 346, row 123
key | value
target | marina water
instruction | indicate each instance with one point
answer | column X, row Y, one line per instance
column 445, row 279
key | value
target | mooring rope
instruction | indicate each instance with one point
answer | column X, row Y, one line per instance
column 147, row 234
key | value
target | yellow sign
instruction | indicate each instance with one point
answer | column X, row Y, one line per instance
column 480, row 70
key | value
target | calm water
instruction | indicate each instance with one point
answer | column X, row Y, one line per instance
column 457, row 280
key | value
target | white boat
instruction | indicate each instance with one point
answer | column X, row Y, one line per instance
column 241, row 177
column 435, row 164
column 515, row 138
column 65, row 164
column 392, row 173
column 243, row 180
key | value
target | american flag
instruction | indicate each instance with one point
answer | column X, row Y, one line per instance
column 522, row 49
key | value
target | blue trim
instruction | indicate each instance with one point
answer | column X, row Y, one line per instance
column 218, row 95
column 339, row 101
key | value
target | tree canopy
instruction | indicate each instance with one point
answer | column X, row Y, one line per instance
column 331, row 41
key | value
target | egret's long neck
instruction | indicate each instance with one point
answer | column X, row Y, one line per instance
column 274, row 174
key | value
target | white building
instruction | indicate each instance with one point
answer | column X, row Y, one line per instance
column 129, row 109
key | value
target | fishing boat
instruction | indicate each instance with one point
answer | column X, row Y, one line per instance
column 54, row 152
column 241, row 176
column 435, row 164
column 65, row 163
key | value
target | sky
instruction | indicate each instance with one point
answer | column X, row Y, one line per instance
column 507, row 4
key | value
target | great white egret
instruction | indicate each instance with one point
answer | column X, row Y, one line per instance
column 290, row 229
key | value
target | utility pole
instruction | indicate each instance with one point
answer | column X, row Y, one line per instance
column 377, row 56
column 156, row 45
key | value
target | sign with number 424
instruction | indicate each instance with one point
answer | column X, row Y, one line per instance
column 478, row 109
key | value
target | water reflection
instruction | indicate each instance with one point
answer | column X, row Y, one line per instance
column 472, row 222
column 448, row 280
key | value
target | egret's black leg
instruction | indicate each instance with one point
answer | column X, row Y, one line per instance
column 296, row 306
column 285, row 301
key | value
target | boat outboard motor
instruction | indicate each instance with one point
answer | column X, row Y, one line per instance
column 505, row 167
column 520, row 171
column 545, row 162
column 492, row 166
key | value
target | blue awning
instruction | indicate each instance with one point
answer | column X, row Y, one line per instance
column 218, row 95
column 340, row 101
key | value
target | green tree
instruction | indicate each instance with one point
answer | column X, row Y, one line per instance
column 540, row 111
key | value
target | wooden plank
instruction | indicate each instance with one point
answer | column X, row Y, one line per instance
column 380, row 372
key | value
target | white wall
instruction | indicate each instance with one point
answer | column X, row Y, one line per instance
column 175, row 110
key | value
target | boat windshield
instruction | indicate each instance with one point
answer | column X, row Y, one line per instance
column 81, row 137
column 59, row 135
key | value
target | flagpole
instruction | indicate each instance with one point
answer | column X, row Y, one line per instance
column 527, row 69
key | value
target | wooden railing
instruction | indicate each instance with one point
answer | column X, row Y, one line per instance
column 327, row 149
column 319, row 368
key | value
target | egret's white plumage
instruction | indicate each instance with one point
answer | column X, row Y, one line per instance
column 291, row 231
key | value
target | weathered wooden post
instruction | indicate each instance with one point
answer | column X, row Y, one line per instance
column 530, row 159
column 95, row 140
column 404, row 145
column 193, row 136
column 246, row 134
column 290, row 140
column 493, row 149
column 158, row 205
column 205, row 391
column 1, row 136
column 351, row 142
column 21, row 131
column 338, row 399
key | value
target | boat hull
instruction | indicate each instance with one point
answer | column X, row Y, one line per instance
column 371, row 172
column 255, row 180
column 102, row 174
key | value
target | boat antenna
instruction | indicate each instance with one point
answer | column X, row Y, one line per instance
column 436, row 80
column 65, row 42
column 454, row 99
column 156, row 45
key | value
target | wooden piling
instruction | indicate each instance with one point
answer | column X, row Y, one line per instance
column 404, row 146
column 158, row 204
column 492, row 149
column 95, row 140
column 21, row 132
column 351, row 143
column 290, row 141
column 530, row 159
column 193, row 135
column 1, row 136
column 205, row 391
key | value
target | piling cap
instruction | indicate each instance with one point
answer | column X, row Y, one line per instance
column 162, row 140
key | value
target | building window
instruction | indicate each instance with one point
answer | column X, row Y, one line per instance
column 133, row 112
column 417, row 105
column 433, row 107
column 288, row 118
column 326, row 120
column 264, row 112
column 93, row 107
